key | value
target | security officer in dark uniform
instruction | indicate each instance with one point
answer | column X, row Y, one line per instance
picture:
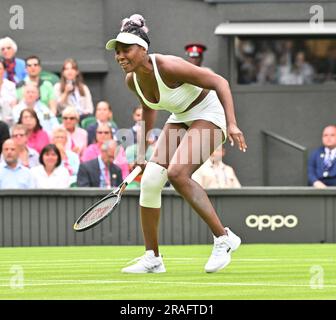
column 194, row 52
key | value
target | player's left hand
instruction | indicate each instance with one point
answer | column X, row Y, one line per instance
column 236, row 136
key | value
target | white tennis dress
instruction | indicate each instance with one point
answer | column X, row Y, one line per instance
column 178, row 99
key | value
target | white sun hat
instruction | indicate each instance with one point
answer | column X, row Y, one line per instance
column 127, row 38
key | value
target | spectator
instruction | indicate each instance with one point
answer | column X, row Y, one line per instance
column 102, row 171
column 302, row 71
column 104, row 114
column 286, row 52
column 46, row 89
column 29, row 157
column 245, row 51
column 283, row 71
column 329, row 67
column 247, row 70
column 194, row 52
column 31, row 100
column 70, row 159
column 50, row 174
column 13, row 175
column 137, row 117
column 132, row 152
column 77, row 137
column 7, row 96
column 214, row 173
column 37, row 137
column 72, row 91
column 4, row 133
column 266, row 61
column 15, row 67
column 322, row 161
column 128, row 137
column 104, row 133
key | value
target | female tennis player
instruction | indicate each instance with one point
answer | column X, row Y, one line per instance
column 202, row 108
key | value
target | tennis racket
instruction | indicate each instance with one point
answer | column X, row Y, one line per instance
column 104, row 207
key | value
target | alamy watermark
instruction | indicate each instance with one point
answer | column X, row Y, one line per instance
column 317, row 19
column 317, row 277
column 16, row 21
column 198, row 145
column 17, row 280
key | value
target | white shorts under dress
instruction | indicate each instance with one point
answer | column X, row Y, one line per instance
column 210, row 109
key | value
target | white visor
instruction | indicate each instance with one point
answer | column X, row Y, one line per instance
column 127, row 38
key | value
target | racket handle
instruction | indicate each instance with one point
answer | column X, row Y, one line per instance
column 133, row 175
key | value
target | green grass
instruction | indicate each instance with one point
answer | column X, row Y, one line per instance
column 265, row 271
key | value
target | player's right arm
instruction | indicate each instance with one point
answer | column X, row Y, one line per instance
column 148, row 116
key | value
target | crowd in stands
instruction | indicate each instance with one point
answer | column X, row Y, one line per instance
column 52, row 135
column 285, row 61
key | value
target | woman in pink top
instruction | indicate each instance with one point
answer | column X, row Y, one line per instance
column 77, row 137
column 37, row 137
column 104, row 133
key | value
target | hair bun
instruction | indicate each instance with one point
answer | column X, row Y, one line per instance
column 136, row 20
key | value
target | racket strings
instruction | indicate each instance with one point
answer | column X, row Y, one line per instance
column 98, row 212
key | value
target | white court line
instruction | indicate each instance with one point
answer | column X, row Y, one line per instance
column 172, row 259
column 184, row 283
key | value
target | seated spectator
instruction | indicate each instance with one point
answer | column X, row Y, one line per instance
column 103, row 114
column 37, row 137
column 50, row 174
column 29, row 157
column 283, row 71
column 77, row 137
column 132, row 150
column 247, row 70
column 72, row 91
column 15, row 67
column 322, row 161
column 266, row 61
column 128, row 137
column 137, row 117
column 214, row 173
column 329, row 65
column 104, row 133
column 70, row 159
column 13, row 175
column 302, row 71
column 102, row 171
column 7, row 96
column 46, row 89
column 4, row 133
column 31, row 101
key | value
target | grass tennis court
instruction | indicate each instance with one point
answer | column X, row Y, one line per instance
column 265, row 271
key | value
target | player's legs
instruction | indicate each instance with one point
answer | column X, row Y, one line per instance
column 202, row 138
column 199, row 142
column 152, row 182
column 166, row 145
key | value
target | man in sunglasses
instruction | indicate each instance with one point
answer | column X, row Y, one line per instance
column 46, row 89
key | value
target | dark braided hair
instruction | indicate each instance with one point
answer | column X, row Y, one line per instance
column 135, row 24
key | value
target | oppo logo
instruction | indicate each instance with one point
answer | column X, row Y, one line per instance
column 273, row 222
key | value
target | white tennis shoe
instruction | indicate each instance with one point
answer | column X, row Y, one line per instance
column 221, row 252
column 148, row 263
